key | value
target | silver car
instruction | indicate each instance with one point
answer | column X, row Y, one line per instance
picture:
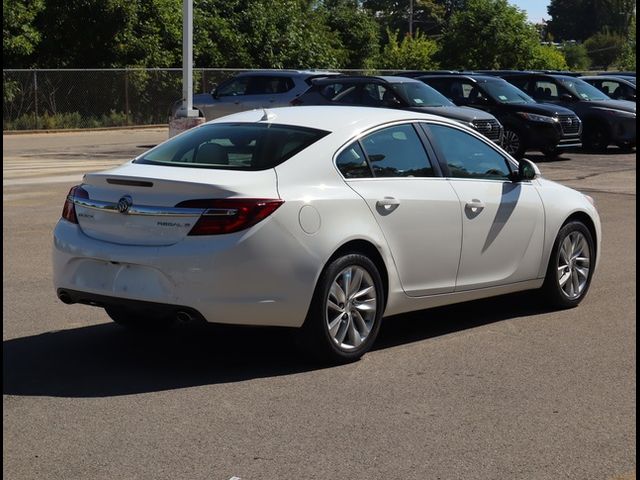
column 254, row 89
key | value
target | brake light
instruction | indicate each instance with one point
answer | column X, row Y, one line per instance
column 69, row 209
column 230, row 215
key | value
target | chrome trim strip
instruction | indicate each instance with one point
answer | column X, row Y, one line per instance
column 149, row 210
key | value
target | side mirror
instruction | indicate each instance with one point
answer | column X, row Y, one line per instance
column 565, row 97
column 527, row 170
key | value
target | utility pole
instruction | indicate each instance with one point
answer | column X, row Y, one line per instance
column 187, row 61
column 411, row 18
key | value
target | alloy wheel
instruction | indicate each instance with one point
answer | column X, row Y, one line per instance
column 511, row 142
column 351, row 305
column 573, row 265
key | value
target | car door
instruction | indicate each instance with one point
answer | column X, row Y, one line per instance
column 416, row 208
column 502, row 220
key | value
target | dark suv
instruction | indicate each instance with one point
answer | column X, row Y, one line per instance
column 396, row 92
column 528, row 125
column 617, row 87
column 605, row 121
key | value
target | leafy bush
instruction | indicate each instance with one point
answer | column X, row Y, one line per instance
column 546, row 57
column 412, row 53
column 576, row 56
column 603, row 48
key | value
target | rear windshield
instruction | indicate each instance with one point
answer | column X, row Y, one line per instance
column 229, row 146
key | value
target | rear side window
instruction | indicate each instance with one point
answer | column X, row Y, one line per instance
column 240, row 146
column 258, row 85
column 468, row 157
column 352, row 163
column 545, row 90
column 340, row 92
column 397, row 152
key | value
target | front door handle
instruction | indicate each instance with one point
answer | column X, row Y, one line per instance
column 475, row 205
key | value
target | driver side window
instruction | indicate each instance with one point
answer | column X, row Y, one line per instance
column 468, row 157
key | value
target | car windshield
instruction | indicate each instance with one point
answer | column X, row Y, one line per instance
column 233, row 146
column 417, row 94
column 583, row 90
column 504, row 92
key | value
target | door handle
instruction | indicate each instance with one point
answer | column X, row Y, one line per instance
column 387, row 203
column 475, row 205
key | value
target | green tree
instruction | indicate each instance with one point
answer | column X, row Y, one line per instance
column 358, row 32
column 627, row 59
column 412, row 53
column 393, row 15
column 489, row 34
column 604, row 48
column 20, row 37
column 576, row 56
column 581, row 19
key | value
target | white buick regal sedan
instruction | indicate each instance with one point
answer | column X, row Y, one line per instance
column 321, row 218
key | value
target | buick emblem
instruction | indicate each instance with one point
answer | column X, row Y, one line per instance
column 124, row 204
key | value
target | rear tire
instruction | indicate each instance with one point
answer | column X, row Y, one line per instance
column 346, row 311
column 551, row 152
column 139, row 319
column 570, row 266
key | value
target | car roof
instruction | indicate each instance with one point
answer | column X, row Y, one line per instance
column 469, row 76
column 623, row 78
column 332, row 118
column 364, row 79
column 278, row 73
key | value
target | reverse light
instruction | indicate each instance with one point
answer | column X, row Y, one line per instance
column 69, row 209
column 230, row 215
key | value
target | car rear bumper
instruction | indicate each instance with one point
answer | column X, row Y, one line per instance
column 243, row 278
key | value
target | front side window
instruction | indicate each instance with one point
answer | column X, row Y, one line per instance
column 240, row 146
column 468, row 157
column 352, row 163
column 397, row 152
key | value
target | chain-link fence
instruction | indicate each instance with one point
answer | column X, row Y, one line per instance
column 90, row 98
column 51, row 99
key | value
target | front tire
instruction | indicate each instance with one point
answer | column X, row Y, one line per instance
column 346, row 311
column 513, row 142
column 596, row 137
column 570, row 266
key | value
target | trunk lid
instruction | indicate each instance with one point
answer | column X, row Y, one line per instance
column 135, row 204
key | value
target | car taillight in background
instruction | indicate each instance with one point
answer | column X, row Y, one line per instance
column 69, row 209
column 230, row 215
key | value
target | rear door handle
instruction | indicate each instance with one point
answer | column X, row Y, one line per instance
column 475, row 205
column 388, row 202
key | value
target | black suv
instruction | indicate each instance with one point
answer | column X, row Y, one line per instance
column 396, row 92
column 605, row 121
column 528, row 125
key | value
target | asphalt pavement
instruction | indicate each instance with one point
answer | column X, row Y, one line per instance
column 493, row 389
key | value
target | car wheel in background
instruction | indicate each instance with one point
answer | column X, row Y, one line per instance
column 513, row 143
column 346, row 311
column 551, row 152
column 570, row 266
column 596, row 136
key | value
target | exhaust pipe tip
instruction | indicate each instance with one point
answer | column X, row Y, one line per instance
column 65, row 298
column 184, row 317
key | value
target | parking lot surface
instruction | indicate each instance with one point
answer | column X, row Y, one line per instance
column 493, row 389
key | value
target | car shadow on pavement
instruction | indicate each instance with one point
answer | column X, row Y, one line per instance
column 107, row 360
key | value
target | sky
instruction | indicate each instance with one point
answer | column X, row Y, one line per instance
column 536, row 9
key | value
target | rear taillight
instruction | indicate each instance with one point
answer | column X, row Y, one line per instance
column 69, row 209
column 230, row 215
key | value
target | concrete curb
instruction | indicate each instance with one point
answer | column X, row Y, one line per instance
column 75, row 130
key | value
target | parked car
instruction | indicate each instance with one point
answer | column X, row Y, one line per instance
column 528, row 125
column 254, row 89
column 320, row 218
column 604, row 121
column 618, row 88
column 625, row 74
column 396, row 92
